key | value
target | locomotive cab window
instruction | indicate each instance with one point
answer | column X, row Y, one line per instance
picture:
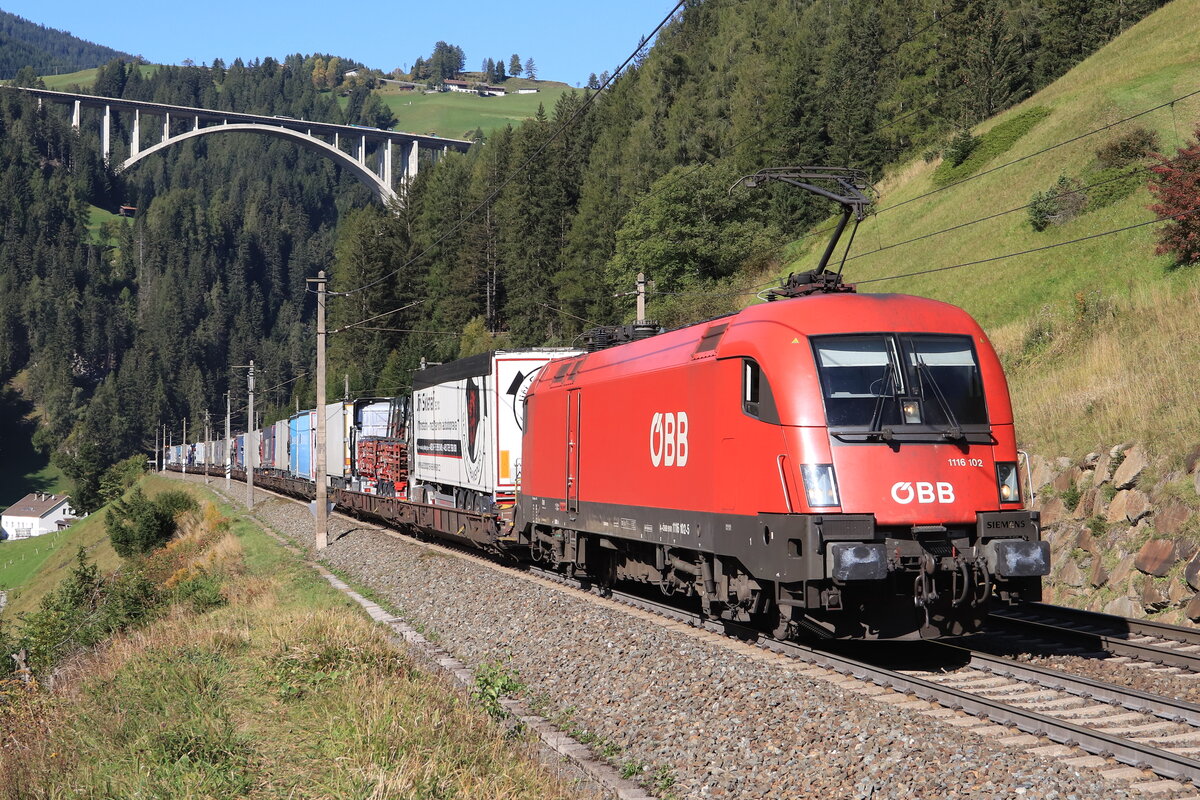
column 757, row 399
column 881, row 382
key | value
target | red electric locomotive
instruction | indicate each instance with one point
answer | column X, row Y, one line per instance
column 838, row 462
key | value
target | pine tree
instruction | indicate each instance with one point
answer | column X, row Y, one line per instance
column 530, row 69
column 514, row 66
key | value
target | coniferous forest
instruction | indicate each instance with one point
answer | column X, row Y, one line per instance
column 115, row 329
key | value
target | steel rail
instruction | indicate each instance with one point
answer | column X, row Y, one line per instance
column 1167, row 708
column 1136, row 754
column 1109, row 631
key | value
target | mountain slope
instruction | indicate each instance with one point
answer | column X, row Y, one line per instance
column 1091, row 332
column 46, row 50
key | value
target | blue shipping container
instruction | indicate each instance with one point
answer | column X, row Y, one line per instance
column 300, row 435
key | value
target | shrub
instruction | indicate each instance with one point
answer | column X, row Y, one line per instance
column 988, row 146
column 1127, row 148
column 117, row 479
column 961, row 147
column 1175, row 184
column 136, row 525
column 82, row 611
column 1057, row 205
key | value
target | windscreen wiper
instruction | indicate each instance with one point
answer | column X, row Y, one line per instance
column 889, row 379
column 954, row 433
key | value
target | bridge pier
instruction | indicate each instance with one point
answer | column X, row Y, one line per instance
column 135, row 140
column 105, row 133
column 166, row 126
column 410, row 171
column 75, row 116
column 362, row 150
column 387, row 162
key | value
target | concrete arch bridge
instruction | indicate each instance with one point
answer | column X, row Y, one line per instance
column 385, row 161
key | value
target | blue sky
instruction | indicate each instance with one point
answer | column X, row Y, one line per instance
column 566, row 40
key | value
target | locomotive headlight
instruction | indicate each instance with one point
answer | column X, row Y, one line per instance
column 1007, row 482
column 912, row 411
column 820, row 485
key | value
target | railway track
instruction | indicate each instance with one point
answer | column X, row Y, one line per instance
column 1141, row 640
column 1139, row 729
column 1142, row 730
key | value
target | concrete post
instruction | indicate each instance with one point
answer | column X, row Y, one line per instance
column 413, row 161
column 185, row 447
column 362, row 150
column 387, row 163
column 337, row 141
column 321, row 454
column 135, row 140
column 166, row 126
column 641, row 297
column 228, row 444
column 105, row 132
column 196, row 123
column 251, row 445
column 75, row 116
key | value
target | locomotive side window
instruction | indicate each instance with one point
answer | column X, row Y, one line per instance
column 879, row 382
column 757, row 399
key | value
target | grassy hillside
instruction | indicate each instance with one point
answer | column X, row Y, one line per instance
column 1094, row 334
column 249, row 676
column 456, row 115
column 31, row 568
column 84, row 78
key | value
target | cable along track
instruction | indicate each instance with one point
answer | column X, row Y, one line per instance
column 1142, row 640
column 1137, row 728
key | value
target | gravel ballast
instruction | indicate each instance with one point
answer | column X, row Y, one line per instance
column 698, row 717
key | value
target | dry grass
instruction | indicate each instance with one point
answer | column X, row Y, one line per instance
column 1128, row 375
column 282, row 692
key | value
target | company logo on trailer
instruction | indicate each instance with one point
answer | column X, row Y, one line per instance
column 669, row 439
column 905, row 492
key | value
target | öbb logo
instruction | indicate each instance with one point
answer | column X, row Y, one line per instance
column 905, row 492
column 669, row 439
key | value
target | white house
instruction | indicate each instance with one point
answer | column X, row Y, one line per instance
column 35, row 514
column 459, row 86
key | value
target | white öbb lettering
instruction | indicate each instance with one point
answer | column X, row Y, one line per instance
column 669, row 439
column 904, row 492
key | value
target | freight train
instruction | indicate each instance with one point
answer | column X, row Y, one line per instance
column 827, row 465
column 832, row 464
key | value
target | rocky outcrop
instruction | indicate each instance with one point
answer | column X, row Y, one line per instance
column 1124, row 534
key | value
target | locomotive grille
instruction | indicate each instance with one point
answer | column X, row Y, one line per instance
column 938, row 548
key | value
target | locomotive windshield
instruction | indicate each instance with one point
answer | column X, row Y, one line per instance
column 884, row 381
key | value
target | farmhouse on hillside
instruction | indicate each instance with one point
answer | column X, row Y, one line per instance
column 35, row 514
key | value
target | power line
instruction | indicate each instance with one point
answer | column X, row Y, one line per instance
column 1043, row 248
column 988, row 217
column 588, row 100
column 1043, row 151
